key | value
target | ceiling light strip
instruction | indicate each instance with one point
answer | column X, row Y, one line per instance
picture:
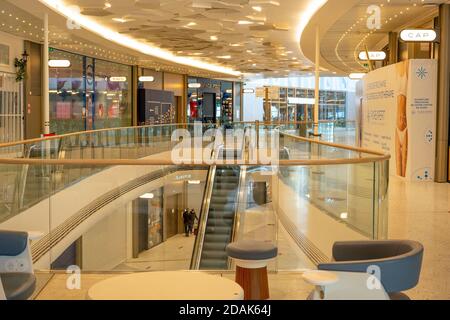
column 68, row 11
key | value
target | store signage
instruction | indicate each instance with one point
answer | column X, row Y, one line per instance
column 183, row 177
column 373, row 55
column 118, row 79
column 146, row 79
column 418, row 35
column 310, row 101
column 194, row 85
column 59, row 63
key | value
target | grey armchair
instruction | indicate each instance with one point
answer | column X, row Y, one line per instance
column 17, row 279
column 399, row 262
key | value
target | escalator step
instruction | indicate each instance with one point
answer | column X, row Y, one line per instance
column 221, row 214
column 220, row 222
column 218, row 230
column 214, row 264
column 216, row 238
column 214, row 246
column 214, row 254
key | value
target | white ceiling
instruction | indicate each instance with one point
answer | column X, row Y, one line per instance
column 349, row 35
column 247, row 35
column 250, row 36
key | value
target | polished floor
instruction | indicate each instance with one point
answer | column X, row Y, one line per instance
column 418, row 211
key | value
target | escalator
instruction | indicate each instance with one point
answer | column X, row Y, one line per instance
column 221, row 218
column 220, row 213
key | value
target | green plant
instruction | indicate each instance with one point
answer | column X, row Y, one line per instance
column 20, row 65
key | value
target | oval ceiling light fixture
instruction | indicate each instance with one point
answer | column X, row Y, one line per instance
column 357, row 75
column 89, row 24
column 194, row 85
column 118, row 79
column 59, row 63
column 146, row 79
column 418, row 35
column 147, row 196
column 373, row 55
column 249, row 90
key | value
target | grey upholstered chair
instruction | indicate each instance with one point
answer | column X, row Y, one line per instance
column 17, row 279
column 399, row 262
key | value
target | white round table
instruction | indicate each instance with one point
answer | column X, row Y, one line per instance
column 182, row 285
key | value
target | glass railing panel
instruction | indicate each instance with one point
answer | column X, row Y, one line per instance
column 324, row 204
column 256, row 217
column 302, row 209
column 126, row 218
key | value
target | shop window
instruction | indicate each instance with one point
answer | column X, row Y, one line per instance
column 90, row 94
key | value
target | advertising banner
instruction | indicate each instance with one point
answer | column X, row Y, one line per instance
column 399, row 116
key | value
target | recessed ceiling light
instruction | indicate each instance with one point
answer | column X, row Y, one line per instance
column 244, row 22
column 191, row 24
column 130, row 42
column 213, row 38
column 257, row 8
column 107, row 5
column 224, row 57
column 147, row 196
column 121, row 20
column 356, row 76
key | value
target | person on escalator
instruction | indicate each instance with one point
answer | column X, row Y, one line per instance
column 186, row 221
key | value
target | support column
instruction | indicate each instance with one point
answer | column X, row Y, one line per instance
column 267, row 107
column 393, row 47
column 45, row 81
column 317, row 86
column 442, row 147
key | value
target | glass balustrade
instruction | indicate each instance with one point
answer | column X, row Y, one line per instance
column 113, row 200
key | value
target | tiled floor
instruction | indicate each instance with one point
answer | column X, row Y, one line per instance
column 421, row 211
column 283, row 286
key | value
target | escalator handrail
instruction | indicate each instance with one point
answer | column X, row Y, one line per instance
column 203, row 219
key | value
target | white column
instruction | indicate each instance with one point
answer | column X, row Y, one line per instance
column 45, row 81
column 317, row 89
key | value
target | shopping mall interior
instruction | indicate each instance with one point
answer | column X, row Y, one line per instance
column 224, row 150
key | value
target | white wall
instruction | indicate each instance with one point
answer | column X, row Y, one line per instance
column 16, row 48
column 195, row 196
column 106, row 245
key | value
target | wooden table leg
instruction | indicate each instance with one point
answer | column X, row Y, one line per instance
column 255, row 283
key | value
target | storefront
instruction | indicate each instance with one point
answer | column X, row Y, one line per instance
column 297, row 104
column 160, row 97
column 88, row 93
column 211, row 100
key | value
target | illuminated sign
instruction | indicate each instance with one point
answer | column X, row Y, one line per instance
column 59, row 63
column 118, row 79
column 418, row 35
column 194, row 85
column 356, row 76
column 373, row 55
column 146, row 79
